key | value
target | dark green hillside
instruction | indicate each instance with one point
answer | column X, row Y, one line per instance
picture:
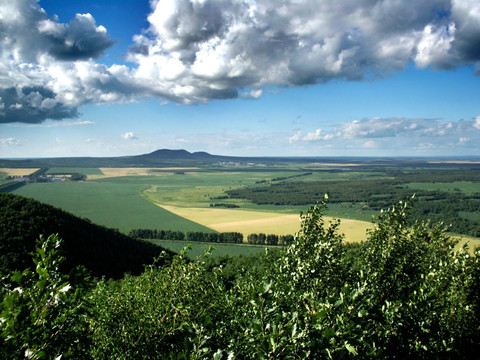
column 103, row 251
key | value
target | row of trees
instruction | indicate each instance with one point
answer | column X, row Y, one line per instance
column 226, row 205
column 282, row 178
column 156, row 234
column 224, row 237
column 270, row 239
column 405, row 293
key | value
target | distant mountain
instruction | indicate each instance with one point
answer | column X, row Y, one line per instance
column 103, row 251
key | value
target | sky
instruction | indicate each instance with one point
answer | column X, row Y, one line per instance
column 240, row 77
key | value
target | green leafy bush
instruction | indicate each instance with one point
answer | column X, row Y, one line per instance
column 404, row 293
column 42, row 315
column 165, row 312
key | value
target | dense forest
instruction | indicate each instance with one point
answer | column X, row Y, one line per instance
column 379, row 193
column 103, row 251
column 404, row 293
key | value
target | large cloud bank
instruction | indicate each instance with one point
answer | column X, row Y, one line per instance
column 199, row 50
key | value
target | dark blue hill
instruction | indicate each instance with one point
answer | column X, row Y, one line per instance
column 167, row 154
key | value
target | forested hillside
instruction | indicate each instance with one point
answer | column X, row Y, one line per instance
column 103, row 251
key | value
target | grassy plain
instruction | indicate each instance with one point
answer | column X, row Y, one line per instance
column 466, row 187
column 473, row 243
column 110, row 204
column 113, row 197
column 198, row 249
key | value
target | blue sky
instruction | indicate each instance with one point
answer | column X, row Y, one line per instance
column 350, row 78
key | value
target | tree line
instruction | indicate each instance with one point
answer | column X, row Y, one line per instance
column 226, row 205
column 224, row 237
column 270, row 239
column 156, row 234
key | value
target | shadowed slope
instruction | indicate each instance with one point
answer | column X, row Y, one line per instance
column 103, row 251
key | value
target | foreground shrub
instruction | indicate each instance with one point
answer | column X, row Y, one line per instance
column 419, row 289
column 42, row 314
column 412, row 296
column 167, row 312
column 404, row 293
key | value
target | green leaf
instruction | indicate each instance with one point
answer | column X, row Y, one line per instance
column 351, row 349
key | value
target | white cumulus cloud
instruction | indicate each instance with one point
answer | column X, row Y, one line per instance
column 195, row 51
column 476, row 124
column 370, row 144
column 128, row 136
column 253, row 94
column 316, row 135
column 10, row 142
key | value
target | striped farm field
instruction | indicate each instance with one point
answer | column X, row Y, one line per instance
column 247, row 221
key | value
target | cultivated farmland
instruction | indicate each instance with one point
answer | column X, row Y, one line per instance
column 268, row 222
column 110, row 204
column 17, row 172
column 258, row 198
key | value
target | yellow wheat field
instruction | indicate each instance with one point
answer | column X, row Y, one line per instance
column 18, row 172
column 473, row 243
column 248, row 222
column 118, row 172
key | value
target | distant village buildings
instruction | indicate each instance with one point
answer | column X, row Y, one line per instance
column 38, row 178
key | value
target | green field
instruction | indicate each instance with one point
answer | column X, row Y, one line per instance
column 115, row 205
column 126, row 202
column 198, row 249
column 466, row 187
